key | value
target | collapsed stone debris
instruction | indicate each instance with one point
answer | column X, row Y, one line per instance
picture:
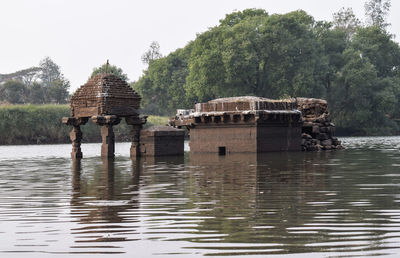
column 317, row 130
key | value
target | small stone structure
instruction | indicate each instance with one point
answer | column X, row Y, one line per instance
column 318, row 130
column 162, row 141
column 242, row 124
column 106, row 99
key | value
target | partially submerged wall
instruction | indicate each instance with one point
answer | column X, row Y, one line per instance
column 162, row 141
column 253, row 124
column 242, row 124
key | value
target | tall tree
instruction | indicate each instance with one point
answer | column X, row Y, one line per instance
column 58, row 91
column 50, row 72
column 37, row 94
column 26, row 76
column 377, row 12
column 366, row 91
column 162, row 85
column 152, row 54
column 333, row 42
column 346, row 20
column 13, row 92
column 51, row 78
column 258, row 54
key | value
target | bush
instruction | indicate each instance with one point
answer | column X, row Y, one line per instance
column 41, row 124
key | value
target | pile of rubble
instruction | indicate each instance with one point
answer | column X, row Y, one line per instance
column 318, row 131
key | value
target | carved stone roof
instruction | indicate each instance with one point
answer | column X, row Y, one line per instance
column 105, row 94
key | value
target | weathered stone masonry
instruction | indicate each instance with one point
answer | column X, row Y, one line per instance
column 105, row 99
column 252, row 124
column 318, row 131
column 242, row 124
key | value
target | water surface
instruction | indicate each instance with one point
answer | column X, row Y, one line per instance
column 322, row 204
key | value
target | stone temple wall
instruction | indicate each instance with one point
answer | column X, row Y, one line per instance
column 242, row 124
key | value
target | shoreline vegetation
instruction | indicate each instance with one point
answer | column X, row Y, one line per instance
column 41, row 124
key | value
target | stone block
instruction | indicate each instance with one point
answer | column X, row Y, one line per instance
column 327, row 142
column 161, row 141
column 322, row 136
column 315, row 129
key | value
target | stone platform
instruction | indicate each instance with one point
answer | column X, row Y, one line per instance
column 242, row 124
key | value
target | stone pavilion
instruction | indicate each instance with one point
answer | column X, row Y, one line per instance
column 106, row 99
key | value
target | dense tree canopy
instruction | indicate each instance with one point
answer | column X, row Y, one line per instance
column 354, row 66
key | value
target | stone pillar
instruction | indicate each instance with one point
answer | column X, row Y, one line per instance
column 108, row 140
column 137, row 124
column 76, row 134
column 135, row 137
column 76, row 138
column 107, row 134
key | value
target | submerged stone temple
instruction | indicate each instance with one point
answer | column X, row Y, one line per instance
column 226, row 125
column 105, row 99
column 242, row 124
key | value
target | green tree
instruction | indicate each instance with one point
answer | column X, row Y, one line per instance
column 346, row 20
column 50, row 72
column 26, row 76
column 161, row 86
column 56, row 86
column 378, row 46
column 333, row 42
column 13, row 92
column 294, row 55
column 366, row 91
column 252, row 53
column 37, row 94
column 256, row 54
column 110, row 69
column 58, row 91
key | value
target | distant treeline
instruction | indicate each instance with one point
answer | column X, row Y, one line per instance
column 354, row 65
column 39, row 124
column 35, row 85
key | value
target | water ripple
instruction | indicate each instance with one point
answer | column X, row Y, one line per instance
column 343, row 203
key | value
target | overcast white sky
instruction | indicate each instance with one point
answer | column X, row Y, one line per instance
column 82, row 34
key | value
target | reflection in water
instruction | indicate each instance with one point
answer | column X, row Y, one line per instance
column 256, row 198
column 98, row 201
column 344, row 203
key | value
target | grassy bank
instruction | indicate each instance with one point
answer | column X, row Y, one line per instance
column 34, row 124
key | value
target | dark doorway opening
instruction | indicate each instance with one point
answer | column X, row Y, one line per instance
column 222, row 150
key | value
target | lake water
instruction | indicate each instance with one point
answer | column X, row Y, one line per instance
column 321, row 204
